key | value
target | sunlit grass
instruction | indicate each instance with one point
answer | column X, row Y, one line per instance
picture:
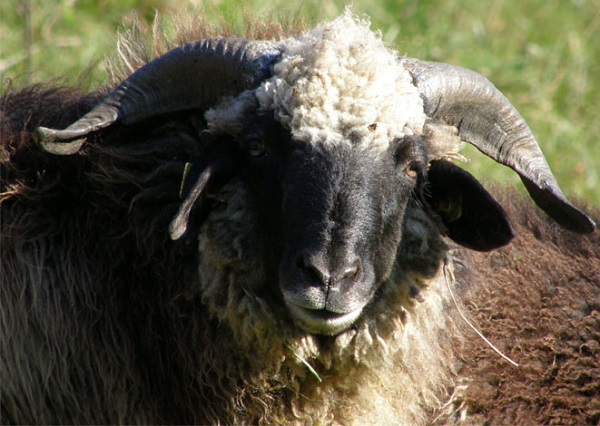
column 545, row 56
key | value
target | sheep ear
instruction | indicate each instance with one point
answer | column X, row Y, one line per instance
column 472, row 217
column 217, row 164
column 484, row 118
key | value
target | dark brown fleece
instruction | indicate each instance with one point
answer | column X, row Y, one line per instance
column 537, row 300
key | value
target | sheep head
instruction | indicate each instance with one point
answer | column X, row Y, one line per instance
column 335, row 136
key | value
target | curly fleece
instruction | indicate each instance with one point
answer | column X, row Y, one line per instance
column 336, row 84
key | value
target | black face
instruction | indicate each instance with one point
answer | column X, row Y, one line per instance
column 330, row 219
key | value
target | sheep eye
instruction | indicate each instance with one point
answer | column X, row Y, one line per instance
column 412, row 170
column 256, row 148
column 410, row 156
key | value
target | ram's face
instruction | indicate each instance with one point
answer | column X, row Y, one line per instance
column 331, row 219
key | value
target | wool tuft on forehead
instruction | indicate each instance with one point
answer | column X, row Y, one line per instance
column 340, row 84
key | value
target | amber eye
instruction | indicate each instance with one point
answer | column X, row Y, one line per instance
column 256, row 148
column 412, row 170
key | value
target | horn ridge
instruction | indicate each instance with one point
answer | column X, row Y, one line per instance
column 486, row 119
column 192, row 76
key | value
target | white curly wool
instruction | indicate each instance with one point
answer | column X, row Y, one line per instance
column 340, row 84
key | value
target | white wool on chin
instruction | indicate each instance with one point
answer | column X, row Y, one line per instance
column 340, row 84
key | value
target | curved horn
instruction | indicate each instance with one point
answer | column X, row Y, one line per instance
column 486, row 119
column 195, row 75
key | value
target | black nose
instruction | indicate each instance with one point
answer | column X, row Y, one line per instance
column 332, row 273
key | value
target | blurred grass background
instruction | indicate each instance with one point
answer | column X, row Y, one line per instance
column 544, row 55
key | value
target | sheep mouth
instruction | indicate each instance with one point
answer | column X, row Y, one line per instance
column 323, row 321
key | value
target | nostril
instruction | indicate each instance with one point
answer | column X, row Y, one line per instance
column 315, row 267
column 349, row 272
column 318, row 269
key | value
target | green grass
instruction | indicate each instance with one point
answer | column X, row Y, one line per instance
column 544, row 55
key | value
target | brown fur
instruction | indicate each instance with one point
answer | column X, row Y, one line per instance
column 538, row 300
column 61, row 283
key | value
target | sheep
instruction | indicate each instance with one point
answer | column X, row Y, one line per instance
column 256, row 232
